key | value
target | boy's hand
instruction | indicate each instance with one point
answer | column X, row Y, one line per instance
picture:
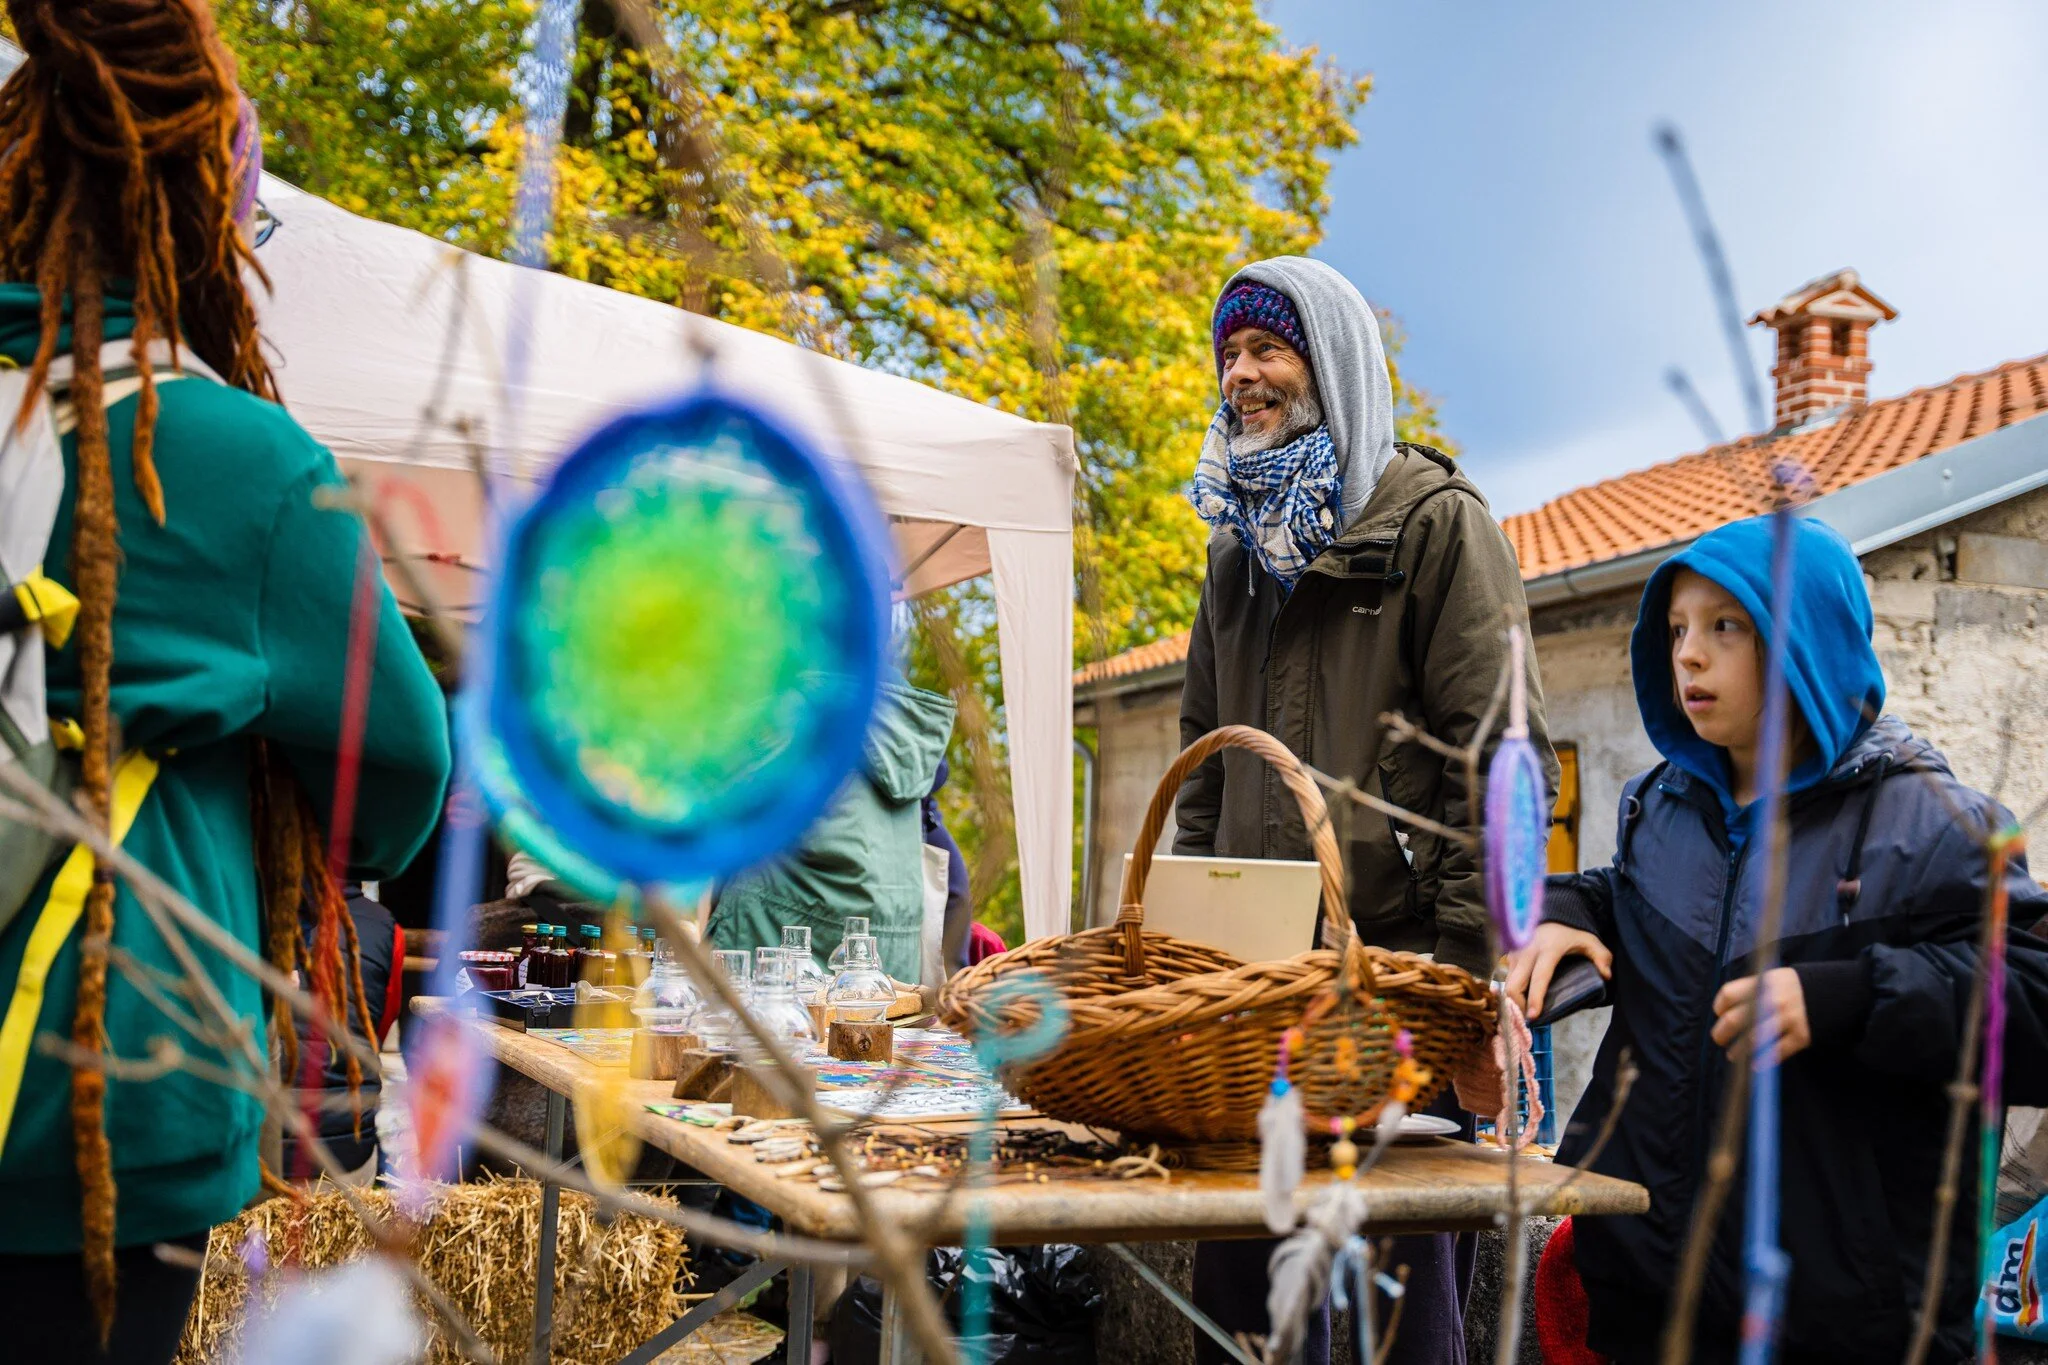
column 1735, row 1012
column 1530, row 970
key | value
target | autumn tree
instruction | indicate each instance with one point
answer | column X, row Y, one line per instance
column 1030, row 203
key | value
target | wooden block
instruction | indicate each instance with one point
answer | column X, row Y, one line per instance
column 705, row 1076
column 655, row 1055
column 753, row 1095
column 861, row 1042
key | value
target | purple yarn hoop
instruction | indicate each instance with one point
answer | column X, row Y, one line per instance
column 1517, row 841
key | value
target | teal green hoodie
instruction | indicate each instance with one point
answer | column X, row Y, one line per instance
column 230, row 624
column 864, row 856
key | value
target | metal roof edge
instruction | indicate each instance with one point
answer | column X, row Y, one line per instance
column 1932, row 491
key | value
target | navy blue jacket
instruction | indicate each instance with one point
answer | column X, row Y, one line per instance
column 1885, row 890
column 1885, row 945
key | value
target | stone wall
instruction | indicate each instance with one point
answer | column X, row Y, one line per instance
column 1961, row 634
column 1137, row 734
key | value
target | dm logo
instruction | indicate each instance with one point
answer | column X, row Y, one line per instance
column 2016, row 1293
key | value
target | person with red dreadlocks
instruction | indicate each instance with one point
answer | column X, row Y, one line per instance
column 203, row 682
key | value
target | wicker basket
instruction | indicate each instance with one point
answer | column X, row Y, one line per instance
column 1175, row 1042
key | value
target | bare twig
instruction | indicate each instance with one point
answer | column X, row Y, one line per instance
column 1722, row 1163
column 279, row 1104
column 156, row 897
column 900, row 1265
column 158, row 988
column 1386, row 1347
column 1626, row 1071
column 1408, row 732
column 1963, row 1092
column 614, row 1200
column 1345, row 787
column 42, row 808
column 1507, row 1339
column 447, row 633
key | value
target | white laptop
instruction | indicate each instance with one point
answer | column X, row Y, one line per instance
column 1255, row 909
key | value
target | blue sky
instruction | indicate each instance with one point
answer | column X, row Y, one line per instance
column 1504, row 200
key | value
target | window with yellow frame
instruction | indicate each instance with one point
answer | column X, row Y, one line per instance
column 1564, row 816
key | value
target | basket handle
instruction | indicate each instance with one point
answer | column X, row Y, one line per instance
column 1130, row 917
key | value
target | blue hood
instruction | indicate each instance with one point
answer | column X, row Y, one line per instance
column 1830, row 664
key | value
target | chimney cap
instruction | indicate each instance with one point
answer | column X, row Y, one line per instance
column 1840, row 295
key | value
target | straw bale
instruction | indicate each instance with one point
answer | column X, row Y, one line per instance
column 614, row 1286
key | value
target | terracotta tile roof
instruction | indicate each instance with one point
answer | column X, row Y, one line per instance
column 1693, row 494
column 1684, row 497
column 1160, row 653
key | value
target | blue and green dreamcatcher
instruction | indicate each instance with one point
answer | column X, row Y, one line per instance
column 683, row 650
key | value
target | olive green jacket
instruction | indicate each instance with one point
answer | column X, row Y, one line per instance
column 1407, row 611
column 864, row 856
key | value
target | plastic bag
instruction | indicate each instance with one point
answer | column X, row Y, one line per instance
column 1042, row 1306
column 2012, row 1268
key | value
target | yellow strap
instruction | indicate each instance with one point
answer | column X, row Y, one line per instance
column 132, row 778
column 50, row 602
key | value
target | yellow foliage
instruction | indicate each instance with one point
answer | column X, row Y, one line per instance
column 896, row 155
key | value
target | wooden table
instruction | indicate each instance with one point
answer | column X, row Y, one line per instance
column 1439, row 1186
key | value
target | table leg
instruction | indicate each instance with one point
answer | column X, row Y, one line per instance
column 550, row 1205
column 1186, row 1309
column 802, row 1306
column 899, row 1347
column 656, row 1346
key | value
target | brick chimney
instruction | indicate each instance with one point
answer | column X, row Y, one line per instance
column 1823, row 332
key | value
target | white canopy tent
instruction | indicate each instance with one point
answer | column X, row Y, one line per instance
column 392, row 349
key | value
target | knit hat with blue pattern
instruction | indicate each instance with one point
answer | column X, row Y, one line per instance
column 1251, row 304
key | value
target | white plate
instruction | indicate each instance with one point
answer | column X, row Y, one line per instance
column 1422, row 1127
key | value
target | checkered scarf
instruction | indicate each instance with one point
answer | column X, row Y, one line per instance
column 1281, row 503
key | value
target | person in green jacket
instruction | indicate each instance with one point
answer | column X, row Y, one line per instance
column 212, row 640
column 864, row 856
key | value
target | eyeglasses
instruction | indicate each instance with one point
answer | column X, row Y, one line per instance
column 262, row 224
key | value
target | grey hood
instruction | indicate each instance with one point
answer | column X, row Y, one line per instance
column 1349, row 364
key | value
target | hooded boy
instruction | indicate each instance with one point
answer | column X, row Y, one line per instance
column 1349, row 575
column 1884, row 891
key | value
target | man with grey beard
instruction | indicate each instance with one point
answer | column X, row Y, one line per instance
column 1350, row 575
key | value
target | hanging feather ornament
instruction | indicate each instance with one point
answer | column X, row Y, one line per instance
column 1283, row 1154
column 1299, row 1273
column 1283, row 1144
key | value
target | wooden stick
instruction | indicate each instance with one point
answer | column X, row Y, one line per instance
column 900, row 1265
column 1962, row 1094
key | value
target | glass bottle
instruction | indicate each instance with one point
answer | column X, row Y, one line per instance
column 776, row 1008
column 589, row 953
column 666, row 1002
column 856, row 925
column 562, row 969
column 529, row 934
column 541, row 965
column 765, row 960
column 810, row 981
column 716, row 1024
column 862, row 992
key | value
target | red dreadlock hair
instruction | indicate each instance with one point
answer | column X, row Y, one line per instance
column 119, row 162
